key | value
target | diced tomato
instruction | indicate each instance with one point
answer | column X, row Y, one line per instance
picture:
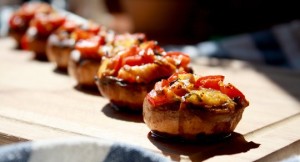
column 180, row 91
column 164, row 83
column 16, row 21
column 130, row 52
column 159, row 85
column 24, row 42
column 69, row 26
column 156, row 99
column 28, row 10
column 81, row 34
column 140, row 36
column 93, row 28
column 87, row 46
column 144, row 58
column 150, row 98
column 211, row 81
column 133, row 60
column 45, row 24
column 179, row 57
column 115, row 64
column 56, row 19
column 174, row 76
column 149, row 44
column 86, row 31
column 152, row 45
column 128, row 57
column 41, row 26
column 231, row 91
column 101, row 40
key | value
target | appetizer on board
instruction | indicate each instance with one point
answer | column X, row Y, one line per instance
column 189, row 106
column 60, row 44
column 86, row 58
column 62, row 41
column 119, row 42
column 40, row 29
column 85, row 61
column 20, row 19
column 127, row 77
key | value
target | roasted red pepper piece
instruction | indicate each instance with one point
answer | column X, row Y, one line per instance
column 212, row 81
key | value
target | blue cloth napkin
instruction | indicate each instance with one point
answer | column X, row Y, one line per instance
column 77, row 150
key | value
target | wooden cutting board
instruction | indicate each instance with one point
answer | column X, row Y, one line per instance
column 37, row 102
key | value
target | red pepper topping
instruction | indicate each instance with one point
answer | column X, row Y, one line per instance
column 174, row 76
column 16, row 21
column 24, row 42
column 86, row 31
column 46, row 24
column 179, row 58
column 89, row 47
column 158, row 95
column 231, row 91
column 132, row 57
column 144, row 57
column 212, row 81
column 69, row 26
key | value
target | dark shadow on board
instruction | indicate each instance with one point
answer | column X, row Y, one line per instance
column 88, row 90
column 113, row 112
column 60, row 71
column 203, row 149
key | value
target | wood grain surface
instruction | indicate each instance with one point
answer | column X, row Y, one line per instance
column 38, row 102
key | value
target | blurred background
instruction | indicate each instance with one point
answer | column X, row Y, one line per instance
column 191, row 21
column 181, row 21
